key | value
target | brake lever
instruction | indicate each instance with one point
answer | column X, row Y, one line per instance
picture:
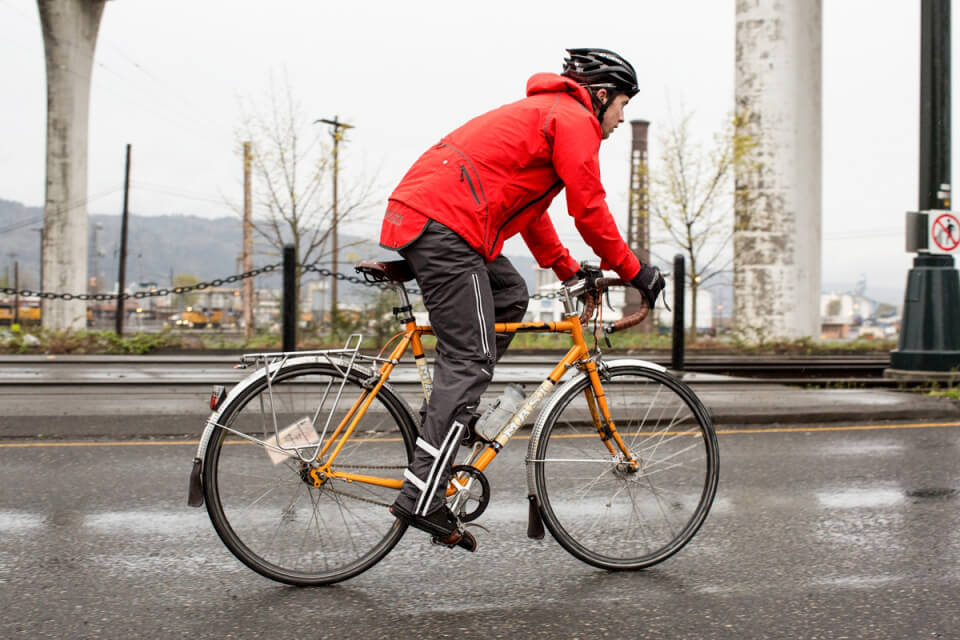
column 664, row 294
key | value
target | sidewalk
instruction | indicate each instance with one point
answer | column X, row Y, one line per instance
column 160, row 410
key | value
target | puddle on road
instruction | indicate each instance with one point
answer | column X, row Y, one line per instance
column 932, row 493
column 158, row 563
column 860, row 498
column 855, row 582
column 151, row 522
column 18, row 521
column 862, row 448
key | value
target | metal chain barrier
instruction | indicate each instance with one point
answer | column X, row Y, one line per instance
column 217, row 282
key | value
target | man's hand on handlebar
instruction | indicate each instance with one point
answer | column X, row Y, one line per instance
column 649, row 281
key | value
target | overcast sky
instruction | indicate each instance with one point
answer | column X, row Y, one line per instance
column 169, row 77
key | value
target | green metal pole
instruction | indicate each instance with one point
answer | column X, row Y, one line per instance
column 930, row 327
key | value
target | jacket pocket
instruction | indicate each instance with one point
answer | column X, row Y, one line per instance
column 465, row 176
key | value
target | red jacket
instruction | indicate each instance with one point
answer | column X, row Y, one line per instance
column 495, row 176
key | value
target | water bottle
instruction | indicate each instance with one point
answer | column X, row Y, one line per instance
column 503, row 408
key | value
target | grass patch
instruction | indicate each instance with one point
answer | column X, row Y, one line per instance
column 70, row 341
column 947, row 393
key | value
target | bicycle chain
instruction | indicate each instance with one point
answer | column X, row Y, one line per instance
column 217, row 282
column 380, row 467
column 327, row 487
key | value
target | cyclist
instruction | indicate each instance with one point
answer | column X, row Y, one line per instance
column 449, row 217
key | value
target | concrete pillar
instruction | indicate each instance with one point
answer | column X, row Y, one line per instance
column 69, row 38
column 777, row 222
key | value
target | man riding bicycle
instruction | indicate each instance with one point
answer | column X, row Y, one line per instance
column 493, row 178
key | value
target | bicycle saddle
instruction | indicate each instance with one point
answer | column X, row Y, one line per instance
column 394, row 271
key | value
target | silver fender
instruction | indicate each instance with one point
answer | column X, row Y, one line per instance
column 557, row 396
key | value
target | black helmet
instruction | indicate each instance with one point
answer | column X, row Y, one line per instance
column 601, row 69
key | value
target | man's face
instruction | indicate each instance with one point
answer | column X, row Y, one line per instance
column 613, row 116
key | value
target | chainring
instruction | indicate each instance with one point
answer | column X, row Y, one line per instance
column 462, row 502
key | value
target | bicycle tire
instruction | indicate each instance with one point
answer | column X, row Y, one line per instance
column 599, row 510
column 270, row 516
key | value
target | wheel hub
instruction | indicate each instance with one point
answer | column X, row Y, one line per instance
column 312, row 475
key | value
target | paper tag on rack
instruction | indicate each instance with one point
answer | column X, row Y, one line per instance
column 299, row 434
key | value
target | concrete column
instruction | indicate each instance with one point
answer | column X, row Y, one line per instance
column 777, row 222
column 69, row 38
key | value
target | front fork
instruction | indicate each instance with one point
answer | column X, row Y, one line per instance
column 600, row 413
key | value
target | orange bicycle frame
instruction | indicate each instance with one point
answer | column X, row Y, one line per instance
column 577, row 356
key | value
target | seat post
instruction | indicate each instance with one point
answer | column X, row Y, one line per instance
column 404, row 298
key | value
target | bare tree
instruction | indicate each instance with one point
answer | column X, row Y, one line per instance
column 692, row 198
column 292, row 181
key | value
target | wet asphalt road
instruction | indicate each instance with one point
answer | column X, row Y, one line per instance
column 833, row 533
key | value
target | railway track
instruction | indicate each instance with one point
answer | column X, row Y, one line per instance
column 190, row 370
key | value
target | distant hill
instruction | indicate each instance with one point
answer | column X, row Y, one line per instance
column 159, row 247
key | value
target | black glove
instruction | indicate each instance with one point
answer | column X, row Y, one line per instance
column 650, row 283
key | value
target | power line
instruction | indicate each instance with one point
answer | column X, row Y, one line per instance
column 145, row 186
column 20, row 224
column 67, row 207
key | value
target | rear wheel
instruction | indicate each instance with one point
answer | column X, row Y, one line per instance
column 263, row 504
column 606, row 512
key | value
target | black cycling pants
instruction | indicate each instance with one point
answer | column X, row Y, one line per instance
column 464, row 296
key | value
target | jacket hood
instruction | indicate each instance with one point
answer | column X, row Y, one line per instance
column 555, row 83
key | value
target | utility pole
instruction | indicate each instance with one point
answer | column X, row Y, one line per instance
column 97, row 254
column 337, row 132
column 122, row 273
column 247, row 245
column 41, row 258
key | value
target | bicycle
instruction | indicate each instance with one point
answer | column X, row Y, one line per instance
column 298, row 463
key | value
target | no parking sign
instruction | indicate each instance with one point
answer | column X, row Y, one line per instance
column 944, row 233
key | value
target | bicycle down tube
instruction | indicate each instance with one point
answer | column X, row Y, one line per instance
column 578, row 353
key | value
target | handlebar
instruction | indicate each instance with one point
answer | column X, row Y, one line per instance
column 593, row 298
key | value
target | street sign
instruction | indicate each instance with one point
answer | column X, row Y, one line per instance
column 944, row 233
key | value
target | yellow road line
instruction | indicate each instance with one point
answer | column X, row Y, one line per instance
column 854, row 427
column 720, row 431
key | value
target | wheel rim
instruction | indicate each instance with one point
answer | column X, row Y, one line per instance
column 599, row 510
column 269, row 513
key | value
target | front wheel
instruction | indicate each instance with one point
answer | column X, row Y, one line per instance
column 609, row 513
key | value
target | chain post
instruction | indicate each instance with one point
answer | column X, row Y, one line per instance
column 289, row 298
column 678, row 312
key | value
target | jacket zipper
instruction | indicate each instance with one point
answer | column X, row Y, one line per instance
column 521, row 210
column 464, row 174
